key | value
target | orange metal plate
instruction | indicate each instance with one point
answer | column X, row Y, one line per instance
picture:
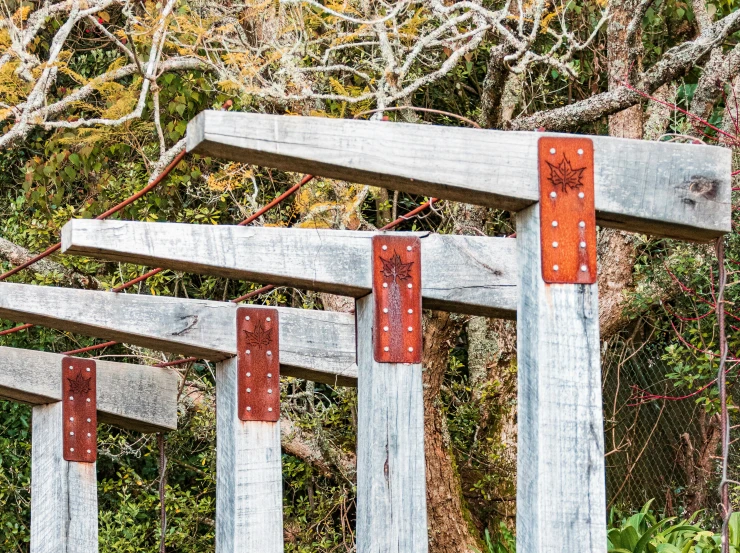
column 567, row 213
column 397, row 291
column 258, row 354
column 79, row 410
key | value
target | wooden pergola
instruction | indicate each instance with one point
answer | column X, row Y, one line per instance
column 560, row 186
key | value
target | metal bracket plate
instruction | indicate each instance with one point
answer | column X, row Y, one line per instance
column 258, row 378
column 397, row 331
column 567, row 213
column 79, row 410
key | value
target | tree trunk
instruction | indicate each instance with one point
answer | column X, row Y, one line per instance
column 450, row 524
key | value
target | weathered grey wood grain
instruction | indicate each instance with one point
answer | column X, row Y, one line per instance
column 560, row 456
column 391, row 476
column 318, row 345
column 249, row 480
column 130, row 396
column 468, row 274
column 64, row 496
column 676, row 190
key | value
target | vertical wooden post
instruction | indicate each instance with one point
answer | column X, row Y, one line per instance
column 249, row 479
column 391, row 475
column 64, row 500
column 560, row 468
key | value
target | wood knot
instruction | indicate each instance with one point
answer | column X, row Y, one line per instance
column 704, row 186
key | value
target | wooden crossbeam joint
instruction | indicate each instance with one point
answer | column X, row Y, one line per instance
column 79, row 410
column 258, row 354
column 567, row 210
column 396, row 269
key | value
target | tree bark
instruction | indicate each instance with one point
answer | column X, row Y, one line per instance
column 450, row 523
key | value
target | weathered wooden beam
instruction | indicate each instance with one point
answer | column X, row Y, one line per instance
column 64, row 496
column 131, row 396
column 391, row 473
column 676, row 190
column 249, row 486
column 466, row 274
column 317, row 345
column 560, row 454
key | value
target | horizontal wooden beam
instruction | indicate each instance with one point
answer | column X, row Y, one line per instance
column 466, row 274
column 676, row 190
column 317, row 345
column 130, row 396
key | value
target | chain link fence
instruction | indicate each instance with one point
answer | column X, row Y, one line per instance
column 662, row 449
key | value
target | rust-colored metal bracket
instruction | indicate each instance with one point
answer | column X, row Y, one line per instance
column 397, row 289
column 258, row 378
column 567, row 213
column 79, row 410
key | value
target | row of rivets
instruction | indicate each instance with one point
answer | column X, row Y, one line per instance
column 580, row 151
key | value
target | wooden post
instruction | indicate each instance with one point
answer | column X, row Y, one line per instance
column 560, row 455
column 64, row 495
column 391, row 474
column 64, row 504
column 249, row 485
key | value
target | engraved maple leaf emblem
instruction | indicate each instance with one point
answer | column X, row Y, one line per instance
column 564, row 176
column 259, row 336
column 79, row 384
column 395, row 268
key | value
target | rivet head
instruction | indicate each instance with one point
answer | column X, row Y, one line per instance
column 582, row 244
column 249, row 408
column 552, row 150
column 88, row 369
column 555, row 268
column 386, row 348
column 385, row 310
column 71, row 449
column 89, row 420
column 89, row 451
column 411, row 311
column 584, row 268
column 268, row 319
column 554, row 223
column 249, row 351
column 269, row 375
column 71, row 433
column 554, row 244
column 385, row 248
column 88, row 400
column 269, row 391
column 410, row 285
column 411, row 349
column 581, row 195
column 71, row 368
column 246, row 318
column 385, row 285
column 249, row 390
column 385, row 329
column 408, row 248
column 71, row 398
column 269, row 352
column 411, row 329
column 269, row 409
column 580, row 151
column 553, row 194
column 71, row 419
column 89, row 435
column 582, row 224
column 249, row 374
